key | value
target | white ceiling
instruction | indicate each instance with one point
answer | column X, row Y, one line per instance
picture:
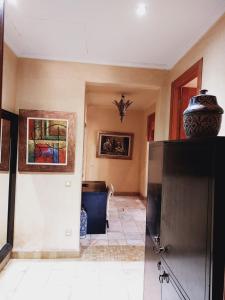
column 103, row 95
column 108, row 32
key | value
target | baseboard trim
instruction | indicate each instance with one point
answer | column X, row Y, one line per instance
column 143, row 197
column 45, row 254
column 5, row 261
column 135, row 194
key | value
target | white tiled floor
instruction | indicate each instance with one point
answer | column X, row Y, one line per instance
column 126, row 224
column 71, row 280
column 103, row 272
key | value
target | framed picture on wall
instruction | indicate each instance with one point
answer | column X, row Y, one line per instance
column 116, row 145
column 46, row 141
column 4, row 144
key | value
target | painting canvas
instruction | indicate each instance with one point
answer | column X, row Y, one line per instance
column 115, row 145
column 46, row 141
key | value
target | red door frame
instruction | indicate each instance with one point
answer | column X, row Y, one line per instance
column 151, row 127
column 175, row 105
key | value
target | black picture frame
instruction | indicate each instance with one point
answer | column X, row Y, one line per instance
column 115, row 145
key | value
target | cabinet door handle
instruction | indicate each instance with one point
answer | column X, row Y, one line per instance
column 164, row 277
column 161, row 279
column 167, row 278
column 156, row 239
column 163, row 249
column 159, row 250
column 155, row 249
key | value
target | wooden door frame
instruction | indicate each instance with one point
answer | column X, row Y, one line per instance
column 152, row 115
column 175, row 106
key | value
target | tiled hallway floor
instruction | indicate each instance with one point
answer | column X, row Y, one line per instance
column 126, row 224
column 103, row 272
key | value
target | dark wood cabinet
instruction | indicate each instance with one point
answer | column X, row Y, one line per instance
column 190, row 241
column 169, row 288
column 152, row 287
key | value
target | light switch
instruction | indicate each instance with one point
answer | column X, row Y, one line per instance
column 68, row 232
column 68, row 183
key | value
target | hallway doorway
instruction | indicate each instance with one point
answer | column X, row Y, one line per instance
column 126, row 175
column 124, row 238
column 182, row 89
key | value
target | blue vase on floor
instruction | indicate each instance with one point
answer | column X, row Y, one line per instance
column 83, row 223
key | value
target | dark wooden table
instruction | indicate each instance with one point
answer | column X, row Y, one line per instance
column 94, row 201
column 90, row 186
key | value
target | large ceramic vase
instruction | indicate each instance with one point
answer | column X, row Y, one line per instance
column 83, row 223
column 203, row 116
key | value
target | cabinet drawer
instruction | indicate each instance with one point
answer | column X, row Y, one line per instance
column 170, row 292
column 152, row 288
column 170, row 288
column 185, row 216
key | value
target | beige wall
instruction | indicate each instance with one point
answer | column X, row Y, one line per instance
column 212, row 48
column 45, row 208
column 123, row 174
column 9, row 79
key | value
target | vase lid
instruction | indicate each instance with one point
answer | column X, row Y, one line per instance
column 204, row 95
column 203, row 102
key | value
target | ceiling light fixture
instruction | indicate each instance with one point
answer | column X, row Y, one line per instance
column 122, row 106
column 141, row 9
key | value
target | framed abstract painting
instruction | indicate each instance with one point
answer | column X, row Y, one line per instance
column 46, row 141
column 116, row 145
